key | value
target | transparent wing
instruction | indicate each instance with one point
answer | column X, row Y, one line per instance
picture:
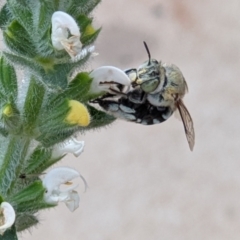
column 187, row 123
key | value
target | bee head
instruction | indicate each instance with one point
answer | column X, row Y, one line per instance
column 149, row 73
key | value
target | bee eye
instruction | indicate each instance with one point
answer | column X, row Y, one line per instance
column 150, row 86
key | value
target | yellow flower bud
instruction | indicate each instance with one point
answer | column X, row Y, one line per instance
column 89, row 30
column 78, row 114
column 7, row 110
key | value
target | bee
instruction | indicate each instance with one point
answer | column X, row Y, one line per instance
column 156, row 92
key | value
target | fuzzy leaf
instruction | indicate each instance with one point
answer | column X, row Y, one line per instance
column 5, row 17
column 18, row 40
column 16, row 149
column 37, row 158
column 57, row 136
column 33, row 103
column 30, row 193
column 88, row 33
column 82, row 7
column 30, row 198
column 78, row 88
column 83, row 21
column 33, row 206
column 88, row 39
column 52, row 126
column 24, row 62
column 99, row 118
column 42, row 12
column 10, row 234
column 39, row 161
column 8, row 79
column 25, row 221
column 22, row 13
column 59, row 75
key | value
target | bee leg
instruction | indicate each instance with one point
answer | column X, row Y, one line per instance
column 120, row 93
column 137, row 96
column 147, row 114
column 115, row 88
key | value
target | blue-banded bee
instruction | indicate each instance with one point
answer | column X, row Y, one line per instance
column 156, row 91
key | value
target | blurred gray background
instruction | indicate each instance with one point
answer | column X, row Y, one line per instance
column 144, row 183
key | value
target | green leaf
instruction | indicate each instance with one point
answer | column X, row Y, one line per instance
column 10, row 234
column 82, row 7
column 30, row 199
column 83, row 21
column 21, row 11
column 49, row 139
column 42, row 13
column 30, row 193
column 24, row 221
column 88, row 33
column 8, row 79
column 79, row 87
column 24, row 62
column 19, row 40
column 5, row 17
column 37, row 158
column 13, row 151
column 52, row 126
column 39, row 161
column 41, row 35
column 33, row 206
column 33, row 104
column 98, row 118
column 88, row 39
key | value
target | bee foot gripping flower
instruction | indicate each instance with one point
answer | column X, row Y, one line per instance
column 52, row 183
column 7, row 216
column 78, row 114
column 65, row 33
column 108, row 79
column 84, row 52
column 71, row 145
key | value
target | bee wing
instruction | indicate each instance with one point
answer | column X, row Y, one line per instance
column 187, row 123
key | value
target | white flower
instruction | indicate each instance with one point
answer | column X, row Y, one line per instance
column 71, row 145
column 65, row 33
column 53, row 181
column 7, row 216
column 109, row 79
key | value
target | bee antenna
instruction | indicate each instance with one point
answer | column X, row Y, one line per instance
column 148, row 52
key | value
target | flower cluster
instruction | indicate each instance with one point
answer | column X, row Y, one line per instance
column 39, row 126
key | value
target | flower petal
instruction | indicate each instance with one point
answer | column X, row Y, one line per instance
column 57, row 176
column 108, row 79
column 78, row 114
column 65, row 33
column 63, row 20
column 8, row 216
column 73, row 202
column 71, row 145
